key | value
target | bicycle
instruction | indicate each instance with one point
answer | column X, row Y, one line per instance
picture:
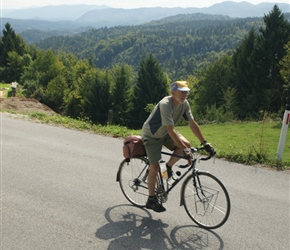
column 204, row 197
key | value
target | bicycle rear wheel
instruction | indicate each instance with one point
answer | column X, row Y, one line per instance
column 132, row 177
column 207, row 203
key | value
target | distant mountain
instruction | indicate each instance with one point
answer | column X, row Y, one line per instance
column 103, row 13
column 52, row 12
column 142, row 15
column 133, row 16
column 245, row 9
column 70, row 19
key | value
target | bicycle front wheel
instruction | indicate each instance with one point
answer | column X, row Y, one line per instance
column 206, row 200
column 132, row 177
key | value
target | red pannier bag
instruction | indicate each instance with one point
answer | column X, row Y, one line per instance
column 133, row 146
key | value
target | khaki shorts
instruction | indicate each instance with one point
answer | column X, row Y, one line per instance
column 154, row 146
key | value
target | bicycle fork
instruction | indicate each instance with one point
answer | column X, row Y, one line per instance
column 197, row 187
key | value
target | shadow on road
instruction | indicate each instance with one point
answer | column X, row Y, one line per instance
column 131, row 227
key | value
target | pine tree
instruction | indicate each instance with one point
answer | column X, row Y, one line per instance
column 270, row 50
column 244, row 77
column 257, row 75
column 96, row 96
column 152, row 86
column 12, row 48
column 121, row 94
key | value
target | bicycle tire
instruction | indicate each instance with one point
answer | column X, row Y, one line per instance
column 133, row 180
column 209, row 205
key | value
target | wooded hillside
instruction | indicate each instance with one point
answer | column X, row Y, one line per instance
column 182, row 44
column 236, row 68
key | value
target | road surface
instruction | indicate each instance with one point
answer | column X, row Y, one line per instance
column 59, row 191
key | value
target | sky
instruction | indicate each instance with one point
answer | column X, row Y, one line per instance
column 126, row 4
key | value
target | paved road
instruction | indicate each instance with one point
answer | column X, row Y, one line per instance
column 58, row 191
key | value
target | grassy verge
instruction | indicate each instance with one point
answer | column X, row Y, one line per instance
column 246, row 142
column 243, row 142
column 6, row 88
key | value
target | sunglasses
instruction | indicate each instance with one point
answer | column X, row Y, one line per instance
column 184, row 92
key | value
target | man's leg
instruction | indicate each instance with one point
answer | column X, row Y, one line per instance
column 152, row 178
column 177, row 151
column 152, row 202
column 153, row 150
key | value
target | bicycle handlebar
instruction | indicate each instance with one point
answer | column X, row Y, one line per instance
column 194, row 150
column 206, row 158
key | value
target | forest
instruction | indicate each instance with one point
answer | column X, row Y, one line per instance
column 238, row 69
column 182, row 44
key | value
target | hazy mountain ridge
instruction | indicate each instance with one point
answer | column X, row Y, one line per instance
column 35, row 24
column 51, row 12
column 95, row 13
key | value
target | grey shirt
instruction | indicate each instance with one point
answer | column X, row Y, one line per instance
column 165, row 114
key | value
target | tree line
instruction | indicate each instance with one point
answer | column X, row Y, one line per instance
column 254, row 77
column 182, row 44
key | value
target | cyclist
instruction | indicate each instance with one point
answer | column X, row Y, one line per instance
column 158, row 130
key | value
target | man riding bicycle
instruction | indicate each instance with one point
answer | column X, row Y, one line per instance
column 158, row 130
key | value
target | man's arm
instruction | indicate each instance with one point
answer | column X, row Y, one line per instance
column 196, row 131
column 176, row 138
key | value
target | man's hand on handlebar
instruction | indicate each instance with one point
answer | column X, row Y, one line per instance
column 188, row 155
column 209, row 149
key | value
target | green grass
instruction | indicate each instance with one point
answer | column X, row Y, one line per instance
column 115, row 131
column 246, row 142
column 6, row 87
column 243, row 142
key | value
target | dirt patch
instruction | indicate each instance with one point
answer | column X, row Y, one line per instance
column 24, row 105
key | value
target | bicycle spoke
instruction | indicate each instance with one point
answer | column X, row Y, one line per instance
column 133, row 180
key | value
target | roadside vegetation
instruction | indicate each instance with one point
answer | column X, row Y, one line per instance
column 243, row 142
column 7, row 90
column 238, row 72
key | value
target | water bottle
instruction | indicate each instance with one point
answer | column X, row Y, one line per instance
column 163, row 169
column 174, row 177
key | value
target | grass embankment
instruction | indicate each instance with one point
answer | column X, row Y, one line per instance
column 243, row 142
column 5, row 88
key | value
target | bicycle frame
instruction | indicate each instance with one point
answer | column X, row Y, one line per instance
column 196, row 180
column 191, row 167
